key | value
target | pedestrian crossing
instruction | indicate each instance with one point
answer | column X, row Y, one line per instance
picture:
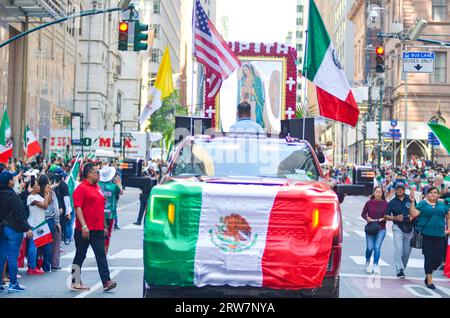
column 138, row 254
column 412, row 263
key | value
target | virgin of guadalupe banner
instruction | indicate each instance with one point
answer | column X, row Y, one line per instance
column 267, row 80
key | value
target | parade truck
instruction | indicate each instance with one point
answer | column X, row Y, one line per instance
column 242, row 216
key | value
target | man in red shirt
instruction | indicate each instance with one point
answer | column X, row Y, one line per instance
column 90, row 228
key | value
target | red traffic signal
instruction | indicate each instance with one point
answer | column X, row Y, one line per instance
column 123, row 36
column 380, row 66
column 123, row 27
column 380, row 50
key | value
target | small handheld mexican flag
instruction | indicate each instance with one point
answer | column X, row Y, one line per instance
column 30, row 144
column 5, row 138
column 42, row 234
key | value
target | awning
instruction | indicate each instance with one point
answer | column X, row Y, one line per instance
column 33, row 8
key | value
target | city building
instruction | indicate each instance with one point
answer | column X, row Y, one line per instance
column 37, row 72
column 427, row 93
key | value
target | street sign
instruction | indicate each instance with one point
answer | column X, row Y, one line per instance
column 386, row 135
column 394, row 123
column 418, row 62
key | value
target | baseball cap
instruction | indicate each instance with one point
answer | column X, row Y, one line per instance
column 400, row 184
column 60, row 171
column 5, row 176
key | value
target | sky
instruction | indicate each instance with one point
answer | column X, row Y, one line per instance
column 258, row 20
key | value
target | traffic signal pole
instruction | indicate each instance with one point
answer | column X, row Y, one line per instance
column 379, row 122
column 77, row 15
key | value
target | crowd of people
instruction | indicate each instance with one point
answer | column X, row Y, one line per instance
column 34, row 192
column 415, row 198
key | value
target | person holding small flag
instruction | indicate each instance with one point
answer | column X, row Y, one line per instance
column 37, row 205
column 14, row 224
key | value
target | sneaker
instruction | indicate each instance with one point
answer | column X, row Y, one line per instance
column 79, row 287
column 401, row 274
column 367, row 268
column 2, row 289
column 16, row 288
column 137, row 223
column 376, row 269
column 55, row 268
column 35, row 271
column 110, row 284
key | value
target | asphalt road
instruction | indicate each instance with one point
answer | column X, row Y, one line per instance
column 126, row 267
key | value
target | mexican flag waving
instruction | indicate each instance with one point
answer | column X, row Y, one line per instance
column 442, row 133
column 30, row 143
column 71, row 179
column 42, row 235
column 322, row 67
column 5, row 138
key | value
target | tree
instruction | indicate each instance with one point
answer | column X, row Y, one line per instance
column 163, row 120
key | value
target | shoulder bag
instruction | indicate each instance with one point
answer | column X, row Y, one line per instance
column 417, row 238
column 372, row 228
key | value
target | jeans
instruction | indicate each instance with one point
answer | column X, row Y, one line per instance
column 432, row 251
column 402, row 248
column 69, row 226
column 31, row 254
column 373, row 243
column 56, row 248
column 47, row 249
column 97, row 242
column 10, row 243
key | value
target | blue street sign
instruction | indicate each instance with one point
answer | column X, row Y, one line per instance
column 394, row 123
column 418, row 55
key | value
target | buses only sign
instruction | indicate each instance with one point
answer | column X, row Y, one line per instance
column 418, row 62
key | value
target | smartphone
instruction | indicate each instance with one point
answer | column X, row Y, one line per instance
column 33, row 180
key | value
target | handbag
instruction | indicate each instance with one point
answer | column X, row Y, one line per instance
column 417, row 238
column 372, row 228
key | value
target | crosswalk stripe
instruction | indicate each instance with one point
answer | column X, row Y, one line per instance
column 129, row 254
column 133, row 227
column 123, row 254
column 361, row 260
column 415, row 263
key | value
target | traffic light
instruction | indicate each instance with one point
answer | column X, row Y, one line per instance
column 140, row 36
column 380, row 67
column 123, row 36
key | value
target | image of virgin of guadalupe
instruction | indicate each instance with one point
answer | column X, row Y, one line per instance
column 251, row 90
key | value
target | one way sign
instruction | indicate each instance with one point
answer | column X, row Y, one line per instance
column 418, row 62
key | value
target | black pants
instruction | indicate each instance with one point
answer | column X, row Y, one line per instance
column 97, row 241
column 433, row 251
column 143, row 203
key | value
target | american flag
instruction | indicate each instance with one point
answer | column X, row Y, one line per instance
column 212, row 51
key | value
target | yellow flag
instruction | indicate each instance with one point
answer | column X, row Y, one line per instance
column 163, row 87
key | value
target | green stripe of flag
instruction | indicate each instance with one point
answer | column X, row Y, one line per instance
column 169, row 249
column 318, row 42
column 3, row 127
column 442, row 133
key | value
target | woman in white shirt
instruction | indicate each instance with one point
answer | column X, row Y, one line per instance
column 37, row 206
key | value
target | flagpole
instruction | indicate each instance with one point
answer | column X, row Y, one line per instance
column 193, row 64
column 305, row 76
column 73, row 167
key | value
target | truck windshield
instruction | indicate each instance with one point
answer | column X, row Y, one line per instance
column 246, row 158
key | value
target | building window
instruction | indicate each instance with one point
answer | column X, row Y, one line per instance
column 439, row 10
column 119, row 104
column 440, row 68
column 155, row 55
column 157, row 6
column 299, row 35
column 299, row 21
column 152, row 79
column 299, row 8
column 157, row 28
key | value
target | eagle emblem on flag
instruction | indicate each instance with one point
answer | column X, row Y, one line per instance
column 233, row 234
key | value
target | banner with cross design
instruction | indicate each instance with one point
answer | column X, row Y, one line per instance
column 267, row 80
